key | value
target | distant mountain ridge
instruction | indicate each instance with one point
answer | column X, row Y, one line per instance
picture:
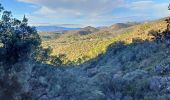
column 118, row 26
column 82, row 31
column 85, row 30
column 54, row 28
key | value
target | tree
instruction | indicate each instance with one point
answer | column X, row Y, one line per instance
column 165, row 35
column 43, row 54
column 18, row 38
column 58, row 60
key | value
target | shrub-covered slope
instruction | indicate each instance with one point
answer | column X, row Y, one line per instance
column 135, row 66
column 136, row 71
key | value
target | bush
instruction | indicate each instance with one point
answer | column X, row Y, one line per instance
column 18, row 38
column 58, row 60
column 43, row 54
column 165, row 35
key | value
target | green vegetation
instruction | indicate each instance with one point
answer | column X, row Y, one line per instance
column 18, row 40
column 135, row 65
column 80, row 48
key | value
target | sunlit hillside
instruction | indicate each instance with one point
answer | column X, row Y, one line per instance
column 79, row 48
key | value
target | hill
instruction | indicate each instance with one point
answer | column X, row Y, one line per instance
column 130, row 69
column 87, row 30
column 79, row 48
column 83, row 31
column 116, row 63
column 119, row 26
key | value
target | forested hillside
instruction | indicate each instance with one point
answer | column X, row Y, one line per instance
column 79, row 48
column 131, row 63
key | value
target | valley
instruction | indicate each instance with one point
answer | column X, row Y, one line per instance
column 80, row 48
column 75, row 50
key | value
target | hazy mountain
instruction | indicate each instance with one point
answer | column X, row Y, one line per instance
column 54, row 28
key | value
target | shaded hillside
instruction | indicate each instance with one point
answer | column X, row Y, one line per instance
column 125, row 72
column 79, row 48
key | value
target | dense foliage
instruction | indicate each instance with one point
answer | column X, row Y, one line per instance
column 18, row 39
column 162, row 36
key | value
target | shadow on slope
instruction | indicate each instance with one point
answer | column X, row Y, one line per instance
column 126, row 72
column 132, row 71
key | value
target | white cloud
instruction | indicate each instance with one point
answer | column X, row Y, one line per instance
column 150, row 7
column 94, row 12
column 74, row 7
column 86, row 12
column 140, row 5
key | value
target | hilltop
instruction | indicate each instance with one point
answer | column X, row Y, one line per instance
column 119, row 26
column 82, row 31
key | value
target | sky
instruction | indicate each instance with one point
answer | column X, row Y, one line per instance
column 80, row 13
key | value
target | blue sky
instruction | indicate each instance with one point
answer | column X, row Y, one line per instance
column 80, row 13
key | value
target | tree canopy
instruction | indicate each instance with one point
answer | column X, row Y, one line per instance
column 18, row 39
